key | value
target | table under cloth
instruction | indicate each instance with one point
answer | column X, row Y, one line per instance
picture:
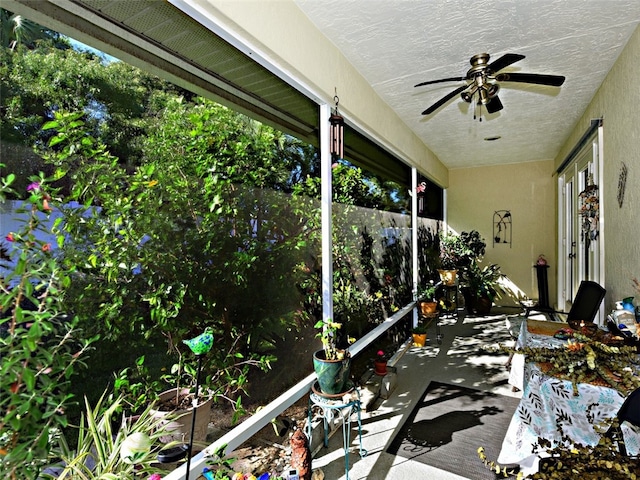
column 547, row 400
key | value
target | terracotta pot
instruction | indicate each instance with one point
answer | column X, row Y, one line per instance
column 482, row 305
column 419, row 339
column 428, row 308
column 180, row 422
column 380, row 367
column 448, row 277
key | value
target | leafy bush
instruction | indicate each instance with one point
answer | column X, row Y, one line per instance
column 40, row 344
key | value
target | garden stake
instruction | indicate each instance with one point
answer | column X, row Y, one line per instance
column 200, row 345
column 193, row 415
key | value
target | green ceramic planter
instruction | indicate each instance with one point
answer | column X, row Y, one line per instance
column 333, row 375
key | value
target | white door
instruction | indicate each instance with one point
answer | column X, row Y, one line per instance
column 580, row 244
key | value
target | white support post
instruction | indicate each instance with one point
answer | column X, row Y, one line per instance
column 414, row 239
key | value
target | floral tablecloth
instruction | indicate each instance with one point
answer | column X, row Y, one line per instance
column 546, row 401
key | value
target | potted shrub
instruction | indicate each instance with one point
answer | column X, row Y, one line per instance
column 128, row 450
column 173, row 394
column 419, row 335
column 481, row 287
column 171, row 398
column 427, row 300
column 124, row 290
column 331, row 364
column 458, row 252
column 451, row 250
column 380, row 363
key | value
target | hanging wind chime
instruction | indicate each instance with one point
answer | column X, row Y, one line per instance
column 590, row 212
column 336, row 132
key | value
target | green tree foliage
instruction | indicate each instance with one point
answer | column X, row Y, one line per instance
column 118, row 101
column 16, row 30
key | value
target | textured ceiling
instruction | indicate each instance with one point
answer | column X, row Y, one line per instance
column 397, row 44
column 394, row 44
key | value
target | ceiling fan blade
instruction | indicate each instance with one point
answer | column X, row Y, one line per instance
column 504, row 61
column 444, row 100
column 551, row 80
column 452, row 79
column 494, row 105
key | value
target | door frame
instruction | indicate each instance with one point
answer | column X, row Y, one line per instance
column 585, row 159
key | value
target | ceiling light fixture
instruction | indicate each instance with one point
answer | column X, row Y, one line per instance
column 492, row 139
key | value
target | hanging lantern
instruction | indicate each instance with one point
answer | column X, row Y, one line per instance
column 336, row 133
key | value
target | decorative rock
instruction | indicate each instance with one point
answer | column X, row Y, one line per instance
column 301, row 454
column 317, row 474
column 370, row 391
column 389, row 382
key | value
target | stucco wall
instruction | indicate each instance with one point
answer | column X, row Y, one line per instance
column 527, row 190
column 618, row 103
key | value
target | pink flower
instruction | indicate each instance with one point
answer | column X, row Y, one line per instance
column 33, row 187
column 10, row 237
column 46, row 247
column 380, row 353
column 155, row 476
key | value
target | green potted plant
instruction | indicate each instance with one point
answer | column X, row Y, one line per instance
column 458, row 252
column 419, row 335
column 481, row 287
column 102, row 451
column 124, row 290
column 380, row 363
column 427, row 300
column 172, row 394
column 177, row 404
column 332, row 364
column 136, row 387
column 451, row 250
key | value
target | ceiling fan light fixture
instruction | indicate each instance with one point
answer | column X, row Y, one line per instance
column 467, row 95
column 484, row 96
column 483, row 78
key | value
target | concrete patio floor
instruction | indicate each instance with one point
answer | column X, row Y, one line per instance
column 458, row 360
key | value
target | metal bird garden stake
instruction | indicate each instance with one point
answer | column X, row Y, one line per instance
column 200, row 346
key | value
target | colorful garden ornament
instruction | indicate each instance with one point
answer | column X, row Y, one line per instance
column 201, row 344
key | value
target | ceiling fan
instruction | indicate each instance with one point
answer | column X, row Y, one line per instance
column 483, row 79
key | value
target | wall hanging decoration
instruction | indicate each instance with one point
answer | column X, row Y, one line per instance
column 590, row 212
column 622, row 183
column 502, row 227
